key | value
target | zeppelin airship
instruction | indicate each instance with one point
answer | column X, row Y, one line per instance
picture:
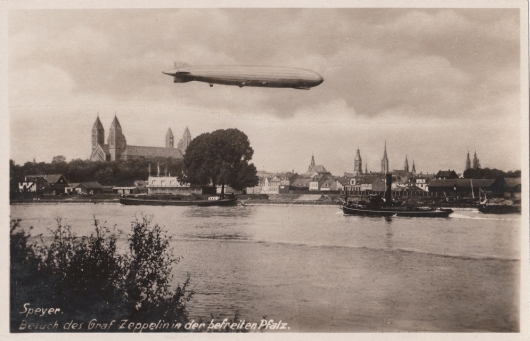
column 262, row 76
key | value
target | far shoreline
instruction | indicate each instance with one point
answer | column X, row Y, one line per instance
column 244, row 202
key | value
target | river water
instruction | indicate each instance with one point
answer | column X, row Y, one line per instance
column 321, row 271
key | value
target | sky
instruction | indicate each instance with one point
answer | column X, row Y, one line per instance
column 431, row 83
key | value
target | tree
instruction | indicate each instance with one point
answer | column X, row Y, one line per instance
column 486, row 173
column 220, row 158
column 117, row 173
column 12, row 170
column 59, row 159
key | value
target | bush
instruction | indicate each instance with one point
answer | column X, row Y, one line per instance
column 23, row 268
column 88, row 278
column 149, row 264
column 83, row 275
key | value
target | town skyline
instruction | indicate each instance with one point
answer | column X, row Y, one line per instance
column 363, row 166
column 413, row 77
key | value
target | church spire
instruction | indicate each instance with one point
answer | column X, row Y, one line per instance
column 311, row 164
column 468, row 161
column 98, row 133
column 116, row 140
column 384, row 162
column 115, row 123
column 170, row 139
column 97, row 124
column 358, row 164
column 185, row 141
column 476, row 161
column 406, row 166
column 413, row 167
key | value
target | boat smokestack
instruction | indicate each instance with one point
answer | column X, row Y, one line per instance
column 388, row 192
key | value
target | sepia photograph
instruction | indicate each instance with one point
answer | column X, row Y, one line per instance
column 351, row 167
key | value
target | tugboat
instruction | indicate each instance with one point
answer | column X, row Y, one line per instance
column 379, row 207
column 495, row 208
column 498, row 209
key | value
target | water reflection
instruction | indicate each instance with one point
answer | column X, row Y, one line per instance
column 219, row 235
column 218, row 212
column 389, row 243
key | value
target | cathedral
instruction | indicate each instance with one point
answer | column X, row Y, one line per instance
column 117, row 148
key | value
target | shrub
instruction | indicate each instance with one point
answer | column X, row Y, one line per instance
column 83, row 275
column 88, row 278
column 148, row 278
column 23, row 268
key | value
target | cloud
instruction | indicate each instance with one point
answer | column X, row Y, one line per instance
column 40, row 84
column 372, row 64
column 388, row 74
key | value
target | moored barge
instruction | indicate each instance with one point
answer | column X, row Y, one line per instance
column 211, row 201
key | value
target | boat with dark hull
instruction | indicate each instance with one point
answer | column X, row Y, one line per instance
column 363, row 210
column 369, row 209
column 496, row 206
column 499, row 209
column 212, row 201
column 425, row 212
column 376, row 206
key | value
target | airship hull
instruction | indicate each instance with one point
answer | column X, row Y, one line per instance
column 259, row 76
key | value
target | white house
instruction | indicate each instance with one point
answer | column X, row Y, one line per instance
column 169, row 185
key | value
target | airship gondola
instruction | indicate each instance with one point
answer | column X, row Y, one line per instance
column 258, row 76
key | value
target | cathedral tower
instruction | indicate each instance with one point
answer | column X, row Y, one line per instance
column 406, row 165
column 185, row 141
column 98, row 134
column 468, row 161
column 413, row 168
column 476, row 161
column 384, row 162
column 312, row 164
column 358, row 164
column 116, row 140
column 170, row 143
